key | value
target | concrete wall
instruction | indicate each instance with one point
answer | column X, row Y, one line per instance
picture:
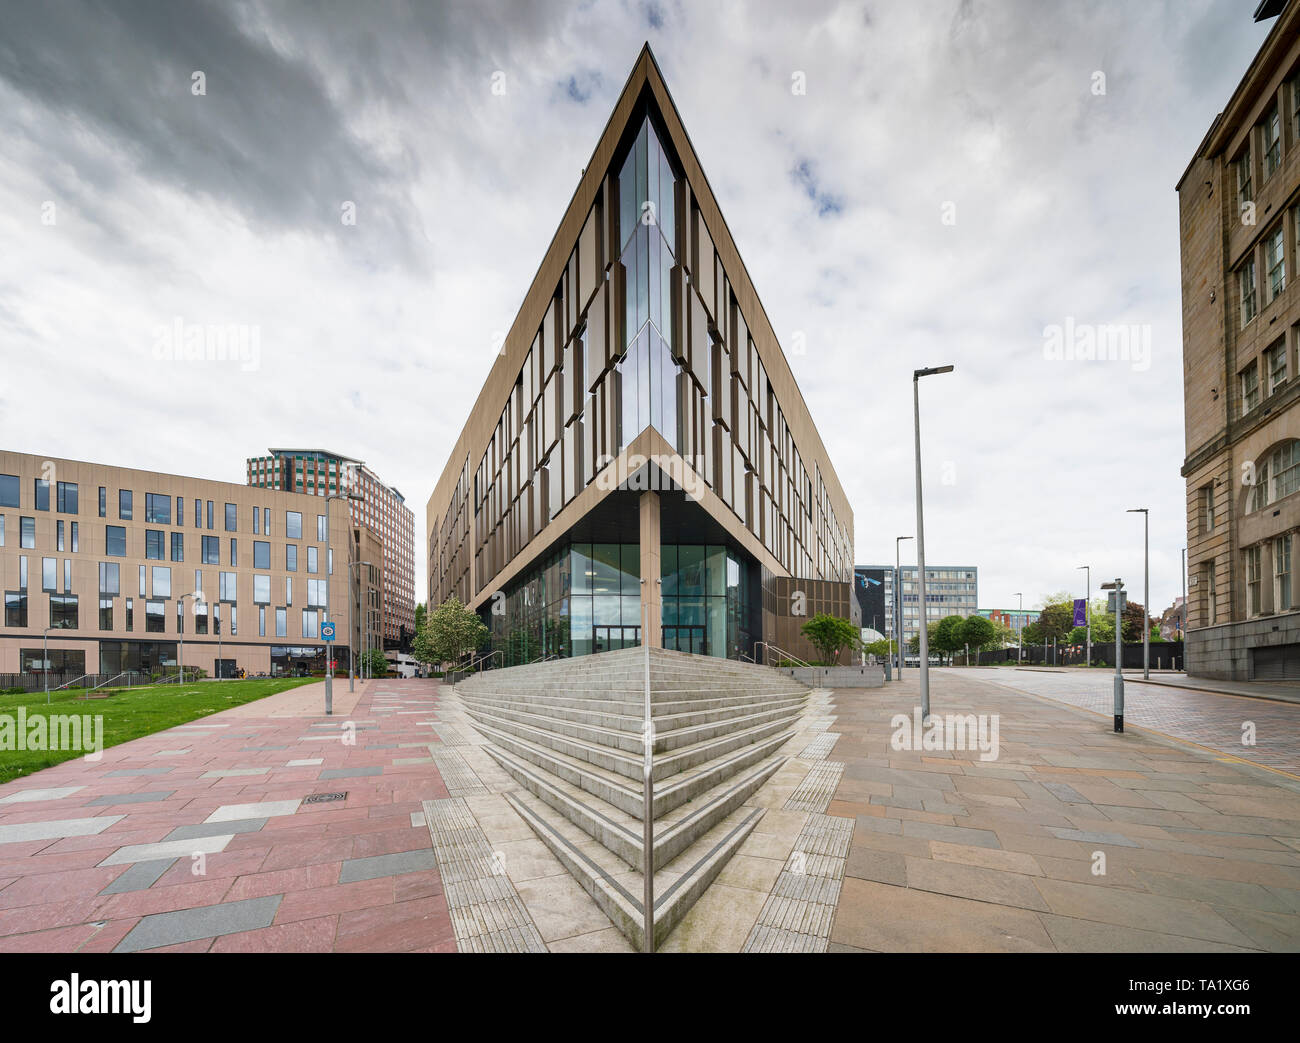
column 838, row 676
column 1223, row 652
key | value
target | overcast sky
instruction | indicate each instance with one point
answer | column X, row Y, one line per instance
column 956, row 180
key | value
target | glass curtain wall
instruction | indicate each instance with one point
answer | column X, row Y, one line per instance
column 647, row 192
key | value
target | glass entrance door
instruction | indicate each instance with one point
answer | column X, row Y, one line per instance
column 611, row 638
column 686, row 639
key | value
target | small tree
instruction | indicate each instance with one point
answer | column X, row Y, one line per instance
column 450, row 632
column 977, row 632
column 830, row 635
column 947, row 636
column 376, row 664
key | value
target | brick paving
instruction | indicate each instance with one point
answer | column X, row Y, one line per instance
column 1072, row 839
column 1215, row 721
column 197, row 838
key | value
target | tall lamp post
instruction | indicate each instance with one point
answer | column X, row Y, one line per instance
column 1146, row 588
column 45, row 662
column 180, row 636
column 329, row 558
column 351, row 655
column 923, row 621
column 897, row 606
column 1087, row 611
column 1020, row 629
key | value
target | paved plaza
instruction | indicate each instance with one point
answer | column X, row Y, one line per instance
column 1071, row 838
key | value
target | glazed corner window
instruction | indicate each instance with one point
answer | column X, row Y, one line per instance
column 115, row 540
column 232, row 517
column 9, row 490
column 1249, row 388
column 293, row 525
column 124, row 504
column 42, row 495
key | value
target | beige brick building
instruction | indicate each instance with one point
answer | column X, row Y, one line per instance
column 1239, row 204
column 641, row 463
column 119, row 565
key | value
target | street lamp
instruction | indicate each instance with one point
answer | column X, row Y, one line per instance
column 351, row 657
column 1087, row 609
column 1146, row 588
column 329, row 558
column 897, row 607
column 180, row 658
column 45, row 661
column 917, row 374
column 1020, row 628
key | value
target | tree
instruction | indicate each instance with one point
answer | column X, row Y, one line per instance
column 1056, row 618
column 375, row 662
column 420, row 613
column 1134, row 615
column 947, row 635
column 1032, row 634
column 830, row 635
column 880, row 649
column 450, row 632
column 977, row 632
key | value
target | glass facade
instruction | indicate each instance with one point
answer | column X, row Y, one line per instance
column 586, row 598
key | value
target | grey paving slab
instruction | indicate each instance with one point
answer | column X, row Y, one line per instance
column 258, row 809
column 223, row 773
column 952, row 834
column 53, row 829
column 128, row 773
column 215, row 829
column 139, row 876
column 168, row 849
column 1088, row 836
column 355, row 869
column 189, row 925
column 259, row 749
column 29, row 796
column 130, row 798
column 350, row 773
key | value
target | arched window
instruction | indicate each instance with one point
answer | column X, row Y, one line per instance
column 1276, row 475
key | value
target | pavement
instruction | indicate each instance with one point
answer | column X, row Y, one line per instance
column 1062, row 836
column 201, row 838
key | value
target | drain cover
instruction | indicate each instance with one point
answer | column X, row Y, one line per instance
column 324, row 798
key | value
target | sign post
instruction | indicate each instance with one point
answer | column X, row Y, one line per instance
column 327, row 634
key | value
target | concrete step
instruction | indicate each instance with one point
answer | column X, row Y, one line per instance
column 617, row 890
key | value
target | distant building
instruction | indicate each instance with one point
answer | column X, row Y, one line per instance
column 382, row 509
column 950, row 590
column 1014, row 619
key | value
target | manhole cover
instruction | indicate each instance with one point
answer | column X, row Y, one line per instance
column 324, row 798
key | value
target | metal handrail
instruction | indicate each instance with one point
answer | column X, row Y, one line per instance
column 769, row 648
column 483, row 659
column 748, row 659
column 545, row 658
column 110, row 680
column 69, row 684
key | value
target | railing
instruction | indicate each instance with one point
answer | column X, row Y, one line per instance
column 545, row 658
column 769, row 648
column 474, row 662
column 69, row 684
column 124, row 673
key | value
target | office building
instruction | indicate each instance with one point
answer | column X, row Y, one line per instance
column 641, row 463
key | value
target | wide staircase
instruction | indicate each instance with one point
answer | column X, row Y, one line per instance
column 572, row 732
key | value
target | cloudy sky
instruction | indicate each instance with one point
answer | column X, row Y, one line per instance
column 957, row 178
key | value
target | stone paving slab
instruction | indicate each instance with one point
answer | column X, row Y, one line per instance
column 196, row 837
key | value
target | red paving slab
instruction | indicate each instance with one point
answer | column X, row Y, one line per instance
column 52, row 890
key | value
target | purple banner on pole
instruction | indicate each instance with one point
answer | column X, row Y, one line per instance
column 1080, row 612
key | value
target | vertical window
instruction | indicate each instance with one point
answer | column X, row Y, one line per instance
column 58, row 535
column 211, row 515
column 162, row 581
column 9, row 490
column 2, row 530
column 229, row 586
column 261, row 554
column 115, row 540
column 153, row 544
column 124, row 504
column 1271, row 141
column 42, row 495
column 293, row 525
column 105, row 613
column 232, row 517
column 109, row 581
column 1246, row 287
column 130, row 615
column 261, row 621
column 49, row 573
column 288, row 590
column 180, row 616
column 155, row 622
column 1254, row 603
column 1275, row 262
column 178, row 546
column 322, row 529
column 261, row 589
column 180, row 510
column 198, row 514
column 1249, row 388
column 66, row 493
column 311, row 560
column 1282, row 574
column 143, row 580
column 67, row 575
column 1207, row 508
column 103, row 502
column 1275, row 363
column 76, row 535
column 234, row 553
column 291, row 557
column 281, row 623
column 210, row 550
column 22, row 571
column 257, row 521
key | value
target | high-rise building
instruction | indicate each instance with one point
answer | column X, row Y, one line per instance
column 641, row 462
column 121, row 566
column 1239, row 209
column 382, row 509
column 950, row 590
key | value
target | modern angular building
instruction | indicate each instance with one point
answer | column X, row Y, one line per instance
column 950, row 590
column 382, row 509
column 641, row 464
column 1239, row 211
column 120, row 565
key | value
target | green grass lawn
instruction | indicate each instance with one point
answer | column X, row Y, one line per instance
column 131, row 712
